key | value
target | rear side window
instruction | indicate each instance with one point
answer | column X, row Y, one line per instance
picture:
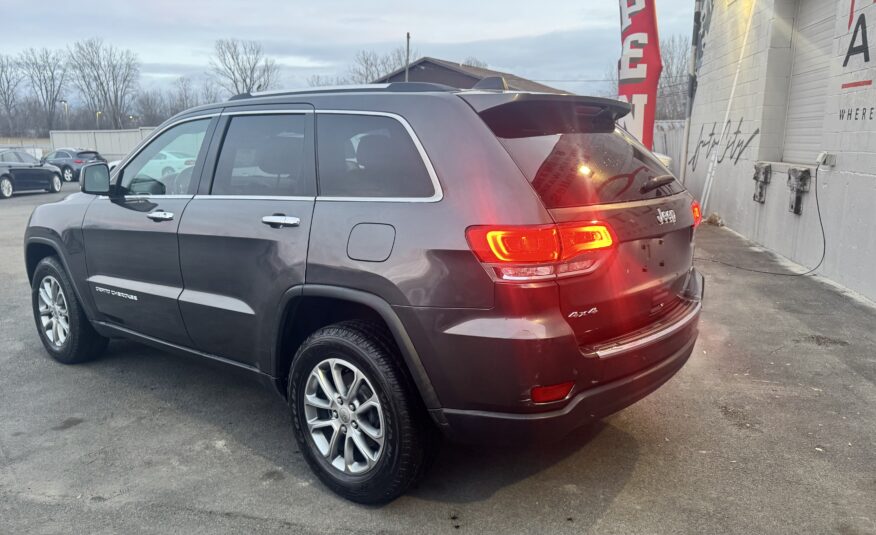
column 369, row 156
column 264, row 155
column 8, row 157
column 577, row 161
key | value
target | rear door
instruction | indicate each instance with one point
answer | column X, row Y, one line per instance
column 38, row 177
column 131, row 244
column 244, row 237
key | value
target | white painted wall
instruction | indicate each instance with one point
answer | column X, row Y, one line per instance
column 756, row 132
column 111, row 144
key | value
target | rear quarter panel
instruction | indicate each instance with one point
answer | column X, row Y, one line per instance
column 431, row 264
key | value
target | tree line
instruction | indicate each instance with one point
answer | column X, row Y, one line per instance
column 672, row 90
column 92, row 84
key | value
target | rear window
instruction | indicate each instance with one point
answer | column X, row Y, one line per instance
column 573, row 157
column 88, row 155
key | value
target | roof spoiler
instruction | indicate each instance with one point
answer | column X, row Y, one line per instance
column 595, row 107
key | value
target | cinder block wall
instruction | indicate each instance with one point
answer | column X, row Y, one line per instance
column 755, row 133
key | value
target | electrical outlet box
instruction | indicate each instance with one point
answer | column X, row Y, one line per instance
column 762, row 176
column 799, row 180
column 826, row 159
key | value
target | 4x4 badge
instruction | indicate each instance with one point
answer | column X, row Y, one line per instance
column 665, row 216
column 583, row 313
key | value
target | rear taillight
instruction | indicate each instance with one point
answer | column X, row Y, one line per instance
column 526, row 253
column 697, row 211
column 546, row 394
column 78, row 161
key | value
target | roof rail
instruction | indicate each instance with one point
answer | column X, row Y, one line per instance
column 393, row 87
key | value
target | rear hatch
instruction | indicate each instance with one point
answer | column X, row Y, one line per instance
column 586, row 169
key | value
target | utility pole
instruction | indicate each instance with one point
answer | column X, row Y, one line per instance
column 97, row 118
column 691, row 85
column 407, row 55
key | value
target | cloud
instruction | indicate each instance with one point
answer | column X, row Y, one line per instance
column 567, row 40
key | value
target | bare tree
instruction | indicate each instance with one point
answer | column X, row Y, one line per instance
column 106, row 77
column 10, row 80
column 209, row 92
column 242, row 67
column 46, row 73
column 672, row 91
column 183, row 95
column 152, row 107
column 472, row 61
column 368, row 65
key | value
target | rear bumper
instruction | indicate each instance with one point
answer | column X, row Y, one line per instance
column 484, row 378
column 589, row 405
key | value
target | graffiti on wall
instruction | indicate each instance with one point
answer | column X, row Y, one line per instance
column 730, row 144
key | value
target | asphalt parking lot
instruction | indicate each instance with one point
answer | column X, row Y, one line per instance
column 770, row 428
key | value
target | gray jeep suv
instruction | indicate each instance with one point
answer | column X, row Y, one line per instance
column 398, row 261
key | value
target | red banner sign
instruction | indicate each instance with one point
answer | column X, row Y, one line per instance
column 640, row 67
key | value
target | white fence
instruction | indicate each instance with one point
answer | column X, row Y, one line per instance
column 111, row 144
column 669, row 140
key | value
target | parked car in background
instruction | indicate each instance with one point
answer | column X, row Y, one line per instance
column 70, row 161
column 19, row 171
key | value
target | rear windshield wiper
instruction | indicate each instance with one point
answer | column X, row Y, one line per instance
column 657, row 182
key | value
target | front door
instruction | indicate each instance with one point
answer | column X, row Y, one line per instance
column 243, row 238
column 131, row 244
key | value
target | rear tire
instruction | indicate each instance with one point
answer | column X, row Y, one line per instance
column 6, row 187
column 61, row 323
column 67, row 173
column 54, row 184
column 386, row 403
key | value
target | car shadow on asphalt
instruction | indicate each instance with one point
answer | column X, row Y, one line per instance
column 586, row 469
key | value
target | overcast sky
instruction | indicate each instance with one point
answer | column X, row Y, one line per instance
column 550, row 40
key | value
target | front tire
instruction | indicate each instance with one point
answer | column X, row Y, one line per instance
column 62, row 325
column 358, row 420
column 54, row 184
column 67, row 173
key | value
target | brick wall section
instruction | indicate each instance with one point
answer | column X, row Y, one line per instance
column 847, row 192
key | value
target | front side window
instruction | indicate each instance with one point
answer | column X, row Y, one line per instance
column 265, row 155
column 154, row 172
column 369, row 156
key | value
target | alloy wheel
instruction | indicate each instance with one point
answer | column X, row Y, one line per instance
column 68, row 175
column 54, row 314
column 56, row 183
column 6, row 187
column 344, row 416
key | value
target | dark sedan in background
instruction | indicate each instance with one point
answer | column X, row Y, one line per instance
column 19, row 171
column 70, row 161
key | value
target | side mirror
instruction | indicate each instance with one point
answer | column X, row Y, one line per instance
column 95, row 178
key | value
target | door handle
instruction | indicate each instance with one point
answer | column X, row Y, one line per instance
column 160, row 215
column 280, row 221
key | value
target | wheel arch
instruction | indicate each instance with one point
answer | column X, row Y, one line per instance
column 308, row 307
column 37, row 249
